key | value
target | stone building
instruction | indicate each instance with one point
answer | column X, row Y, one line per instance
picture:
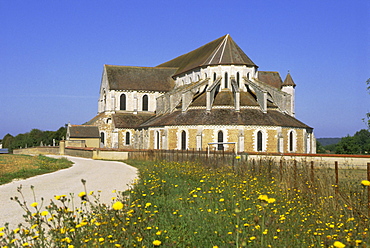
column 212, row 97
column 82, row 136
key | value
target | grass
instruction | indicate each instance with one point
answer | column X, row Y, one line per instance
column 25, row 166
column 191, row 205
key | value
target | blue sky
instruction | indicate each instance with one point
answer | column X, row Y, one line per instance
column 52, row 53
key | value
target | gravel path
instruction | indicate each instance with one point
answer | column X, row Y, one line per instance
column 100, row 175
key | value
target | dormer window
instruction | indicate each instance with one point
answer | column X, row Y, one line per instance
column 214, row 77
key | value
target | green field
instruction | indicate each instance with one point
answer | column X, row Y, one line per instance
column 190, row 205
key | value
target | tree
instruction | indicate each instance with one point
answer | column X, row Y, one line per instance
column 7, row 140
column 356, row 144
column 368, row 114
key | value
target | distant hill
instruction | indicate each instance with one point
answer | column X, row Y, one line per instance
column 328, row 141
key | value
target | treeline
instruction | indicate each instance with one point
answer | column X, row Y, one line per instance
column 33, row 138
column 359, row 143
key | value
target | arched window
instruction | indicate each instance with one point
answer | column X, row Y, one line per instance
column 291, row 141
column 183, row 140
column 214, row 77
column 122, row 102
column 226, row 80
column 259, row 141
column 127, row 139
column 238, row 79
column 145, row 103
column 102, row 138
column 220, row 139
column 157, row 140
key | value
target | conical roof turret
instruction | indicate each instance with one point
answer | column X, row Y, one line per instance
column 222, row 51
column 288, row 81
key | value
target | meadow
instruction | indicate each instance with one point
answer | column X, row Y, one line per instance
column 24, row 166
column 188, row 204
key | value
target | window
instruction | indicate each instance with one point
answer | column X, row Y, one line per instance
column 157, row 140
column 214, row 77
column 291, row 141
column 259, row 141
column 127, row 139
column 122, row 102
column 220, row 139
column 226, row 81
column 102, row 138
column 238, row 79
column 183, row 140
column 145, row 103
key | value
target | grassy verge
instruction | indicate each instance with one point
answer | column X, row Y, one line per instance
column 190, row 205
column 24, row 166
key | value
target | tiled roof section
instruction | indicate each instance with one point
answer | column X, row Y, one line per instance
column 226, row 117
column 84, row 131
column 93, row 120
column 222, row 51
column 130, row 120
column 224, row 98
column 140, row 78
column 289, row 81
column 271, row 78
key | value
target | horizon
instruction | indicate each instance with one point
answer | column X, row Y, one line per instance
column 53, row 54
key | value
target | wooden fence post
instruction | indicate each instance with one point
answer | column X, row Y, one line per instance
column 281, row 170
column 312, row 172
column 368, row 189
column 295, row 173
column 336, row 178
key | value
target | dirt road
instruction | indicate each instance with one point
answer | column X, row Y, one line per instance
column 99, row 175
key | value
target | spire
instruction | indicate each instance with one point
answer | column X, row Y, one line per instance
column 288, row 81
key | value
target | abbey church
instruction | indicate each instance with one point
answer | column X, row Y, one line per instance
column 212, row 97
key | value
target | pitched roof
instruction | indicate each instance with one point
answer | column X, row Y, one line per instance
column 289, row 81
column 83, row 131
column 128, row 120
column 140, row 78
column 271, row 78
column 222, row 51
column 226, row 117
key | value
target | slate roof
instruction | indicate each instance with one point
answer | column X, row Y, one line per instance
column 140, row 78
column 128, row 120
column 226, row 117
column 271, row 78
column 289, row 81
column 83, row 131
column 222, row 51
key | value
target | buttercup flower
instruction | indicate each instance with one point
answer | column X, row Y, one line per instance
column 34, row 204
column 117, row 205
column 157, row 242
column 82, row 194
column 44, row 213
column 339, row 244
column 365, row 182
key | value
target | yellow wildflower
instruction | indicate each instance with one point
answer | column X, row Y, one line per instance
column 82, row 194
column 157, row 242
column 44, row 213
column 365, row 182
column 34, row 204
column 117, row 205
column 339, row 244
